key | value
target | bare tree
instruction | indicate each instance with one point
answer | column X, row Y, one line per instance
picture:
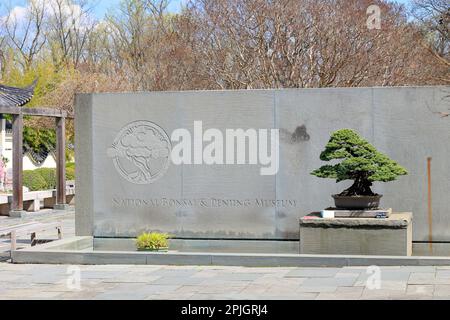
column 26, row 34
column 301, row 43
column 433, row 17
column 69, row 26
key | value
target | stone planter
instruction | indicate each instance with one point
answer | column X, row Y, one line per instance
column 357, row 202
column 165, row 249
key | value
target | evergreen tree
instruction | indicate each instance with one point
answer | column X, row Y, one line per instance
column 361, row 162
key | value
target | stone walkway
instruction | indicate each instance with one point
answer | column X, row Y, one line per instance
column 65, row 217
column 206, row 282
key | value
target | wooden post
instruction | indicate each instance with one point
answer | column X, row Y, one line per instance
column 61, row 164
column 17, row 201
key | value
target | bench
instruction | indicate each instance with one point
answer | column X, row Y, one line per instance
column 33, row 200
column 31, row 229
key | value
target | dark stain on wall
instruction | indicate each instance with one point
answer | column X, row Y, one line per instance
column 299, row 135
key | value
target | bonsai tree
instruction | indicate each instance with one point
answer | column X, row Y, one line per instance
column 361, row 162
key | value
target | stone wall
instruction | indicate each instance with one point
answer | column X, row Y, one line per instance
column 235, row 201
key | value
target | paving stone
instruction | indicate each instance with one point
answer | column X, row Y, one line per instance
column 212, row 282
column 422, row 278
column 287, row 281
column 393, row 285
column 441, row 291
column 352, row 269
column 208, row 289
column 294, row 296
column 349, row 292
column 329, row 282
column 5, row 278
column 170, row 296
column 135, row 291
column 205, row 274
column 255, row 289
column 101, row 274
column 342, row 293
column 281, row 290
column 347, row 275
column 178, row 273
column 178, row 281
column 317, row 289
column 385, row 275
column 312, row 272
column 238, row 276
column 420, row 290
column 381, row 294
column 46, row 295
column 188, row 289
column 443, row 281
column 443, row 274
column 131, row 278
column 419, row 269
column 209, row 296
column 121, row 296
column 79, row 295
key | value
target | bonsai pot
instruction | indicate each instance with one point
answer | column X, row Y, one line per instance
column 357, row 202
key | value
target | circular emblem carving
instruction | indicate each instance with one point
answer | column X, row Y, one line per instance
column 141, row 152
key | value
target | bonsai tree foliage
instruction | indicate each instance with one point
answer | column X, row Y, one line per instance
column 361, row 162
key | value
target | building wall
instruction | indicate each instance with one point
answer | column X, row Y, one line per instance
column 28, row 163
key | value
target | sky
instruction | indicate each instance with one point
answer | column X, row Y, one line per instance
column 101, row 8
column 106, row 6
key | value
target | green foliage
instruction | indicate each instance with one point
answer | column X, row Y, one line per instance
column 39, row 140
column 49, row 176
column 45, row 178
column 361, row 161
column 49, row 75
column 152, row 241
column 33, row 180
column 70, row 171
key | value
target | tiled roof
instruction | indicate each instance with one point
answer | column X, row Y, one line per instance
column 16, row 97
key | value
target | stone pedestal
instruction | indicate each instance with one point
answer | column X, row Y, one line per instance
column 61, row 207
column 17, row 214
column 357, row 236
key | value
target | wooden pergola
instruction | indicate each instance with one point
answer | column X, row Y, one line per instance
column 12, row 101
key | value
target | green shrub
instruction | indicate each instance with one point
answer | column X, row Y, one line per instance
column 33, row 180
column 49, row 176
column 152, row 241
column 45, row 178
column 70, row 172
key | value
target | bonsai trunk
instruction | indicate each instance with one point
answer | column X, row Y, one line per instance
column 361, row 187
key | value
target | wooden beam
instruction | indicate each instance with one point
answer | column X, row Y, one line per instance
column 17, row 126
column 60, row 162
column 10, row 110
column 45, row 112
column 42, row 112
